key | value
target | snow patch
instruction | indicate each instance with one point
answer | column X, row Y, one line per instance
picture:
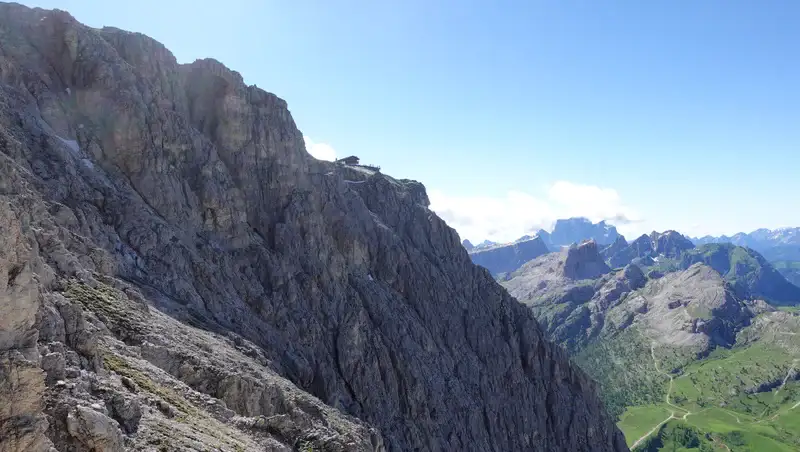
column 370, row 277
column 87, row 163
column 71, row 144
column 69, row 91
column 355, row 181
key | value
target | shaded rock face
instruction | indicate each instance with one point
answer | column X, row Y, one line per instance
column 577, row 230
column 168, row 244
column 641, row 247
column 507, row 258
column 619, row 244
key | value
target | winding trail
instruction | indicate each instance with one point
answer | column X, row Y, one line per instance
column 666, row 399
column 671, row 379
column 646, row 435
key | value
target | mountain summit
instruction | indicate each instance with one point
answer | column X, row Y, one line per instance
column 575, row 230
column 177, row 271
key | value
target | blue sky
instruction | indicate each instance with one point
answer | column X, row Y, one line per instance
column 677, row 114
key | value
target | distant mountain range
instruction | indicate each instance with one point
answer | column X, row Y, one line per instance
column 507, row 257
column 631, row 312
column 780, row 246
column 758, row 240
column 718, row 314
column 565, row 232
column 500, row 259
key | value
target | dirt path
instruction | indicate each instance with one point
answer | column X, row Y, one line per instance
column 788, row 374
column 666, row 399
column 654, row 429
column 671, row 379
column 729, row 413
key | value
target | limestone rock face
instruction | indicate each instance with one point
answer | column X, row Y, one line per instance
column 175, row 265
column 94, row 430
column 694, row 308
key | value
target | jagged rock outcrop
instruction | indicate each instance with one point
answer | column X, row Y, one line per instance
column 584, row 262
column 507, row 258
column 177, row 271
column 669, row 244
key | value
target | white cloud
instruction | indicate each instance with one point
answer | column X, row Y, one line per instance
column 320, row 151
column 509, row 217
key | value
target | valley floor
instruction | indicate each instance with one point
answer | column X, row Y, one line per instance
column 693, row 416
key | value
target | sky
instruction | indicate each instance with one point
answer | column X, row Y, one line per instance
column 654, row 115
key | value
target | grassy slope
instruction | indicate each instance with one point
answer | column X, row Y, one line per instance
column 623, row 367
column 713, row 390
column 746, row 270
column 638, row 420
column 789, row 269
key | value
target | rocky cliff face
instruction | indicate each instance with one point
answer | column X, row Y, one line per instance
column 177, row 272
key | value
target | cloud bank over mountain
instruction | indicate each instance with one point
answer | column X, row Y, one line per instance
column 508, row 217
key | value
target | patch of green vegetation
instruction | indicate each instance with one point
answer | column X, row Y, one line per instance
column 677, row 436
column 622, row 365
column 721, row 394
column 639, row 420
column 121, row 366
column 790, row 270
column 719, row 381
column 111, row 305
column 664, row 265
